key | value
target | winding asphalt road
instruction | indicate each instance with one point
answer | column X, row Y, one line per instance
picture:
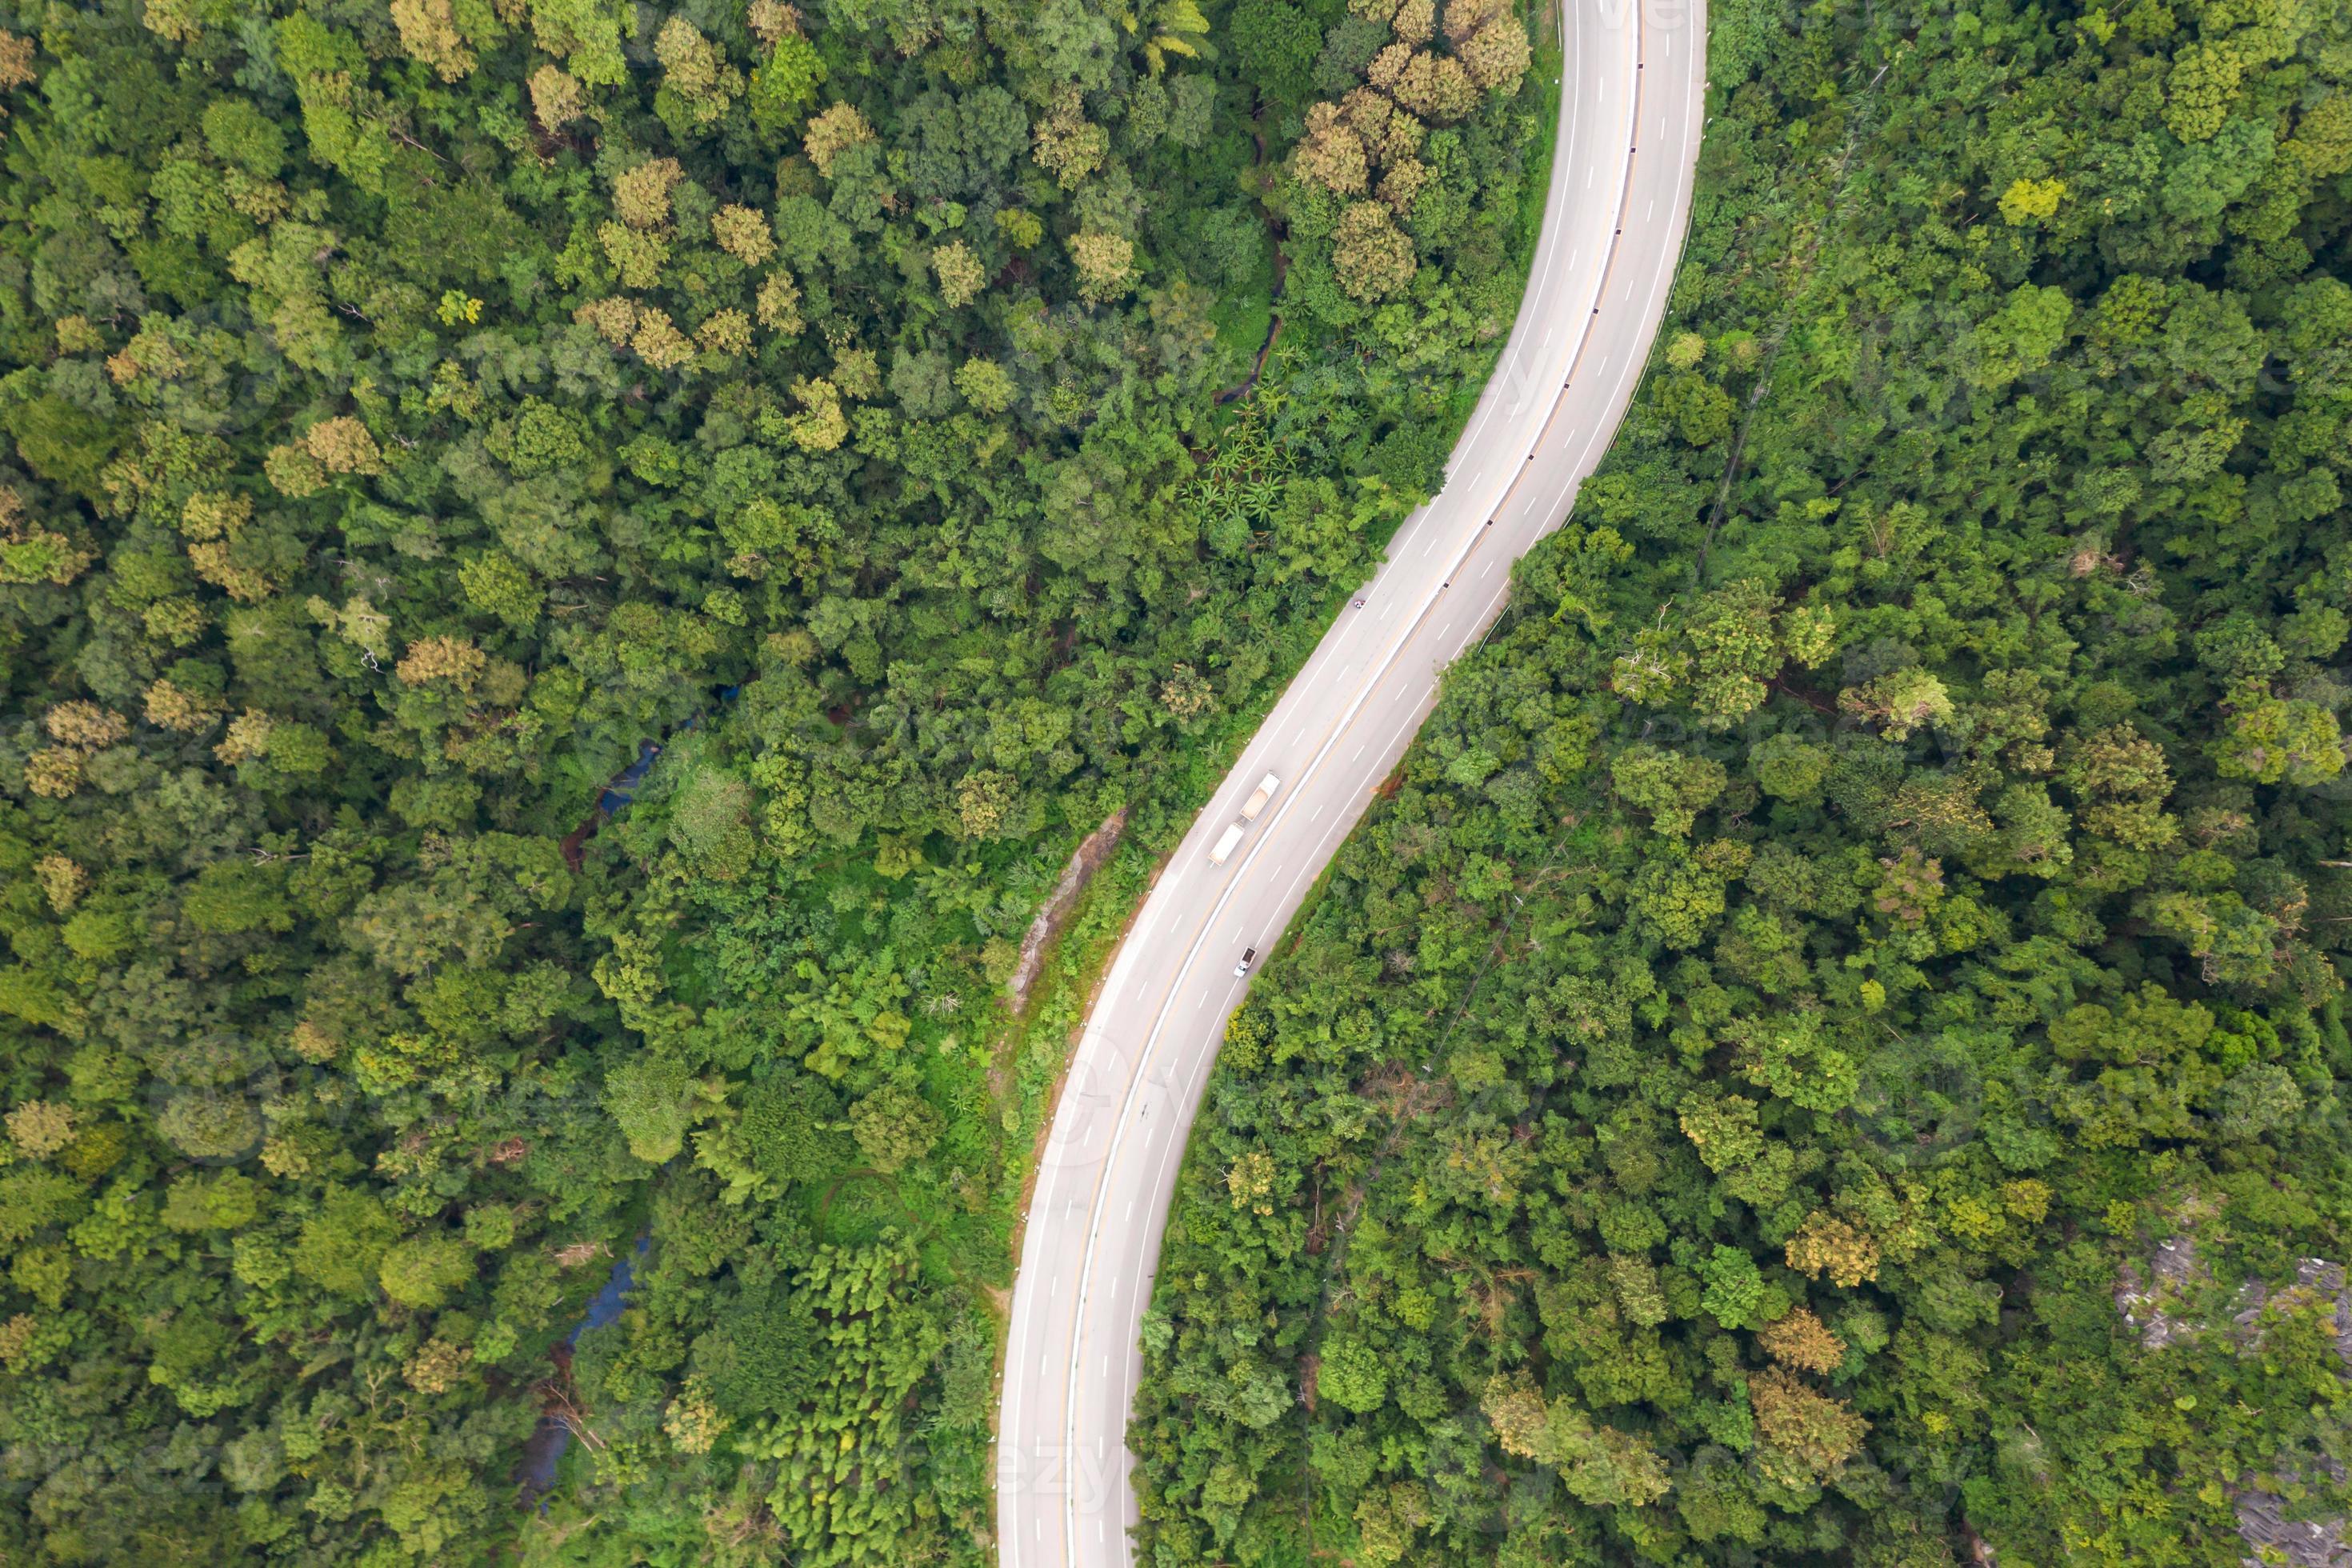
column 1633, row 105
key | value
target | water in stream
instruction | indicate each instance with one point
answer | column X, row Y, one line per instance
column 547, row 1444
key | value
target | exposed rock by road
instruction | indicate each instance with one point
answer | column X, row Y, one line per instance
column 1088, row 859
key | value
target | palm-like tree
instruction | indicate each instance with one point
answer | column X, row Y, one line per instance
column 1167, row 28
column 1259, row 498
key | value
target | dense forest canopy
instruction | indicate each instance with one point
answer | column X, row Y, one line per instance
column 412, row 412
column 1833, row 1050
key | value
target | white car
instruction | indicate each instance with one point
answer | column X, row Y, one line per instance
column 1249, row 956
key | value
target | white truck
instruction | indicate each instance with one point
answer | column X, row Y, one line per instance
column 1256, row 802
column 1231, row 838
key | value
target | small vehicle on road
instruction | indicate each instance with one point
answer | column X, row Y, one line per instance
column 1256, row 802
column 1249, row 956
column 1225, row 845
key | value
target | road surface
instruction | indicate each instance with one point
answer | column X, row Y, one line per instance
column 1633, row 105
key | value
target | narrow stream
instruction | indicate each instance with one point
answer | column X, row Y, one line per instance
column 547, row 1444
column 545, row 1447
column 623, row 787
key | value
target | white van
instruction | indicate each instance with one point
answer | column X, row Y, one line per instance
column 1256, row 802
column 1225, row 843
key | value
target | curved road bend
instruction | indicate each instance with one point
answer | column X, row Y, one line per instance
column 1633, row 105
